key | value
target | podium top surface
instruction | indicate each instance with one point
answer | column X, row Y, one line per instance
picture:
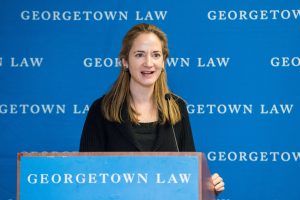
column 25, row 154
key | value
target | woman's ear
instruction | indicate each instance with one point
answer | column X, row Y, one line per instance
column 124, row 63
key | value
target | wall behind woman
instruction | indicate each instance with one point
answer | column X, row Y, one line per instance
column 235, row 63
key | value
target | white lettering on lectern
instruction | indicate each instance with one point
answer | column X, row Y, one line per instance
column 150, row 16
column 26, row 62
column 92, row 178
column 1, row 61
column 56, row 178
column 171, row 179
column 68, row 178
column 44, row 178
column 105, row 178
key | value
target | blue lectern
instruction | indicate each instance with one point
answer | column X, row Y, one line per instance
column 113, row 176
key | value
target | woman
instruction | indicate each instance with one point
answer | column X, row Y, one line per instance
column 139, row 113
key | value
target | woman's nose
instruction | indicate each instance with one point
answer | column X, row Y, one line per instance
column 148, row 61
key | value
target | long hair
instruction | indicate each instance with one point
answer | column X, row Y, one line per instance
column 119, row 94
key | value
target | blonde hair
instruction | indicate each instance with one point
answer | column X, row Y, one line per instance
column 119, row 93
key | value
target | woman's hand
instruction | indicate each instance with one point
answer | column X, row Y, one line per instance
column 218, row 183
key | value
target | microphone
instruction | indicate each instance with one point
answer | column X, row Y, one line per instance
column 168, row 96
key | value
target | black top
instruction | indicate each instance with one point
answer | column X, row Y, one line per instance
column 145, row 134
column 99, row 134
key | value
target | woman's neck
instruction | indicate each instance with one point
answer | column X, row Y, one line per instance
column 142, row 103
column 140, row 94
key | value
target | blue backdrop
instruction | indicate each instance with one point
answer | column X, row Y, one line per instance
column 235, row 63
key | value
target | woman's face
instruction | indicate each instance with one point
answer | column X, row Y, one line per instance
column 145, row 60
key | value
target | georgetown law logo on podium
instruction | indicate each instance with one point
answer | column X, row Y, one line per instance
column 107, row 176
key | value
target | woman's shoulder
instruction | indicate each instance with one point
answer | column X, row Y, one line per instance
column 96, row 105
column 179, row 100
column 97, row 102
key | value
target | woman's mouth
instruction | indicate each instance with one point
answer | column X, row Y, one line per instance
column 147, row 73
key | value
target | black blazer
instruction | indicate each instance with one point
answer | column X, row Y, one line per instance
column 99, row 134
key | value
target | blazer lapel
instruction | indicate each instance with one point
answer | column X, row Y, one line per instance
column 165, row 138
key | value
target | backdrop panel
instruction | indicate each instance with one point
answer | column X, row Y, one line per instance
column 235, row 63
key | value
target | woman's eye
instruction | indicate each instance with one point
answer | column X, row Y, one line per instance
column 157, row 55
column 138, row 55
